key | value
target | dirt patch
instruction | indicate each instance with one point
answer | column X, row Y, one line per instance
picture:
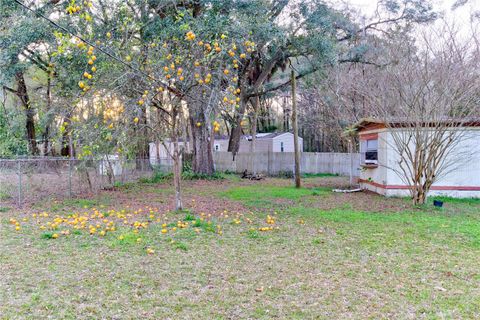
column 203, row 196
column 361, row 201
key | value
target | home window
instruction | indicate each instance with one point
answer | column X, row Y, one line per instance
column 371, row 151
column 281, row 146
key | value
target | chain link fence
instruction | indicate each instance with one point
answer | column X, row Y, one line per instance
column 26, row 181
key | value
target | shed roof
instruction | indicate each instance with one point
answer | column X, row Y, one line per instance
column 269, row 135
column 374, row 123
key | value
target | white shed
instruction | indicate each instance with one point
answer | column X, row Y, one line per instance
column 380, row 162
column 271, row 142
column 110, row 164
column 265, row 142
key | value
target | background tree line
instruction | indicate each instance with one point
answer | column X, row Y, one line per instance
column 44, row 112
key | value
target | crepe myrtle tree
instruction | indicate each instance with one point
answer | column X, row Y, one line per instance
column 427, row 100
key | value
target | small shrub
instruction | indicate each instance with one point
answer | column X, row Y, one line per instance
column 187, row 161
column 207, row 226
column 160, row 176
column 189, row 217
column 47, row 235
column 180, row 245
column 253, row 234
column 285, row 174
column 123, row 185
column 4, row 196
column 157, row 177
column 190, row 175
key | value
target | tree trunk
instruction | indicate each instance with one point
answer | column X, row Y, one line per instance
column 157, row 152
column 177, row 174
column 29, row 112
column 46, row 134
column 237, row 131
column 46, row 140
column 418, row 197
column 67, row 144
column 295, row 132
column 143, row 148
column 201, row 147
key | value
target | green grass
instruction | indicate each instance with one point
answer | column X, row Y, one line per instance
column 80, row 203
column 205, row 226
column 74, row 203
column 180, row 245
column 337, row 263
column 319, row 175
column 438, row 227
column 449, row 200
column 266, row 195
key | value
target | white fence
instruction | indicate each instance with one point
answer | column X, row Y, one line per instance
column 281, row 162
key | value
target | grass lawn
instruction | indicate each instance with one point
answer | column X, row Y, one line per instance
column 242, row 250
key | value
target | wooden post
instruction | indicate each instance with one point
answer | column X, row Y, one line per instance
column 254, row 134
column 295, row 132
column 350, row 149
column 20, row 191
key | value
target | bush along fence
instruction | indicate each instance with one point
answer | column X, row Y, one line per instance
column 24, row 181
column 279, row 163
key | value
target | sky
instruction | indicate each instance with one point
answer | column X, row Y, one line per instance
column 460, row 16
column 368, row 6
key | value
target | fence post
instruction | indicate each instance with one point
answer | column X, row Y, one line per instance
column 70, row 177
column 19, row 173
column 268, row 163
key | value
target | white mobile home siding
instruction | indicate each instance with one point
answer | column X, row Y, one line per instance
column 461, row 180
column 261, row 145
column 288, row 145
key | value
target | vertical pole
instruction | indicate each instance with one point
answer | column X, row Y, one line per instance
column 19, row 172
column 254, row 134
column 70, row 177
column 295, row 131
column 350, row 146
